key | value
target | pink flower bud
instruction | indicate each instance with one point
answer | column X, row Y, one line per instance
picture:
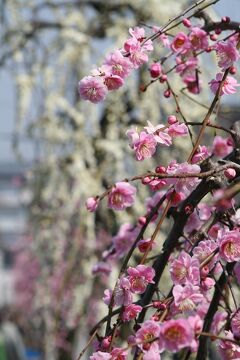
column 232, row 70
column 186, row 22
column 163, row 78
column 167, row 93
column 160, row 170
column 159, row 305
column 172, row 119
column 155, row 70
column 213, row 37
column 218, row 31
column 230, row 173
column 142, row 220
column 144, row 245
column 226, row 19
column 106, row 342
column 92, row 204
column 204, row 271
column 209, row 49
column 146, row 180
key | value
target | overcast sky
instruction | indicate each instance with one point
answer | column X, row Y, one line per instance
column 223, row 7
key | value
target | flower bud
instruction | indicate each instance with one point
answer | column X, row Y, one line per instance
column 155, row 70
column 213, row 37
column 163, row 78
column 160, row 170
column 186, row 22
column 159, row 305
column 172, row 119
column 92, row 204
column 226, row 19
column 232, row 70
column 218, row 31
column 142, row 220
column 230, row 173
column 167, row 93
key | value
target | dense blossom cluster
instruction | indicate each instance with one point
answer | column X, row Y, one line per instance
column 185, row 47
column 209, row 243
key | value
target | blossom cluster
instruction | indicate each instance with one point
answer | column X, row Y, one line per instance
column 208, row 243
column 117, row 66
column 185, row 47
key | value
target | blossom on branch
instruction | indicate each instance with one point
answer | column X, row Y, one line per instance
column 121, row 196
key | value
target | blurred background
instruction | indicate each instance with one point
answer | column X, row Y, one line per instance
column 55, row 151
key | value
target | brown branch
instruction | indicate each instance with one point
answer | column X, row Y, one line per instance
column 208, row 115
column 202, row 349
column 232, row 25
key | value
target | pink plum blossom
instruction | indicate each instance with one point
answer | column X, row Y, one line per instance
column 201, row 154
column 229, row 85
column 130, row 312
column 235, row 324
column 118, row 354
column 149, row 330
column 198, row 39
column 187, row 297
column 177, row 129
column 204, row 249
column 221, row 146
column 143, row 144
column 175, row 335
column 120, row 65
column 100, row 355
column 139, row 277
column 228, row 349
column 121, row 196
column 160, row 133
column 180, row 43
column 92, row 88
column 227, row 53
column 92, row 204
column 229, row 249
column 185, row 269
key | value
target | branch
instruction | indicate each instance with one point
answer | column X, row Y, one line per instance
column 202, row 350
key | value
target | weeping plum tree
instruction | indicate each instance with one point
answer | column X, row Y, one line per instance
column 177, row 290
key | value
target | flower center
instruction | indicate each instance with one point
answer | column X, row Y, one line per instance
column 194, row 41
column 179, row 42
column 173, row 334
column 181, row 273
column 117, row 198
